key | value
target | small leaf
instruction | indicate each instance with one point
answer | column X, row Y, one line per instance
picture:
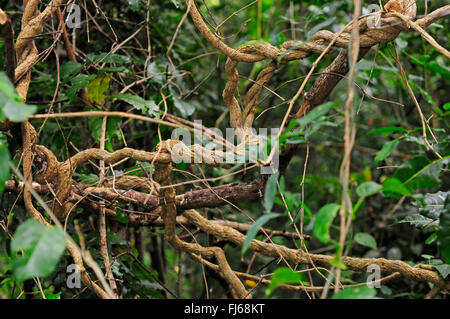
column 362, row 292
column 270, row 191
column 251, row 233
column 283, row 276
column 42, row 248
column 368, row 189
column 366, row 239
column 323, row 222
column 386, row 150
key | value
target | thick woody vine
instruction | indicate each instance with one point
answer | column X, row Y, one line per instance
column 44, row 174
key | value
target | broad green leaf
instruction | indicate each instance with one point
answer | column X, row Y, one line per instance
column 362, row 292
column 11, row 105
column 444, row 231
column 283, row 276
column 97, row 88
column 323, row 222
column 386, row 150
column 251, row 233
column 270, row 191
column 366, row 239
column 186, row 109
column 395, row 186
column 428, row 175
column 368, row 188
column 79, row 82
column 68, row 70
column 4, row 164
column 7, row 88
column 316, row 112
column 18, row 111
column 42, row 248
column 411, row 167
column 139, row 103
column 388, row 130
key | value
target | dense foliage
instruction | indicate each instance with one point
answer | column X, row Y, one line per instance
column 148, row 58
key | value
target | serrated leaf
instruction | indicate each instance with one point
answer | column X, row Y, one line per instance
column 270, row 191
column 386, row 150
column 68, row 71
column 139, row 103
column 323, row 222
column 251, row 233
column 368, row 188
column 79, row 82
column 42, row 248
column 283, row 276
column 366, row 239
column 361, row 292
column 417, row 220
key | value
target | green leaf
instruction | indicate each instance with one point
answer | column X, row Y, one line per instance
column 270, row 191
column 251, row 233
column 42, row 248
column 388, row 130
column 186, row 109
column 79, row 82
column 7, row 88
column 283, row 276
column 316, row 112
column 368, row 188
column 139, row 103
column 444, row 231
column 362, row 292
column 443, row 269
column 97, row 88
column 323, row 222
column 18, row 111
column 386, row 150
column 68, row 71
column 4, row 165
column 336, row 261
column 417, row 220
column 395, row 186
column 428, row 175
column 366, row 239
